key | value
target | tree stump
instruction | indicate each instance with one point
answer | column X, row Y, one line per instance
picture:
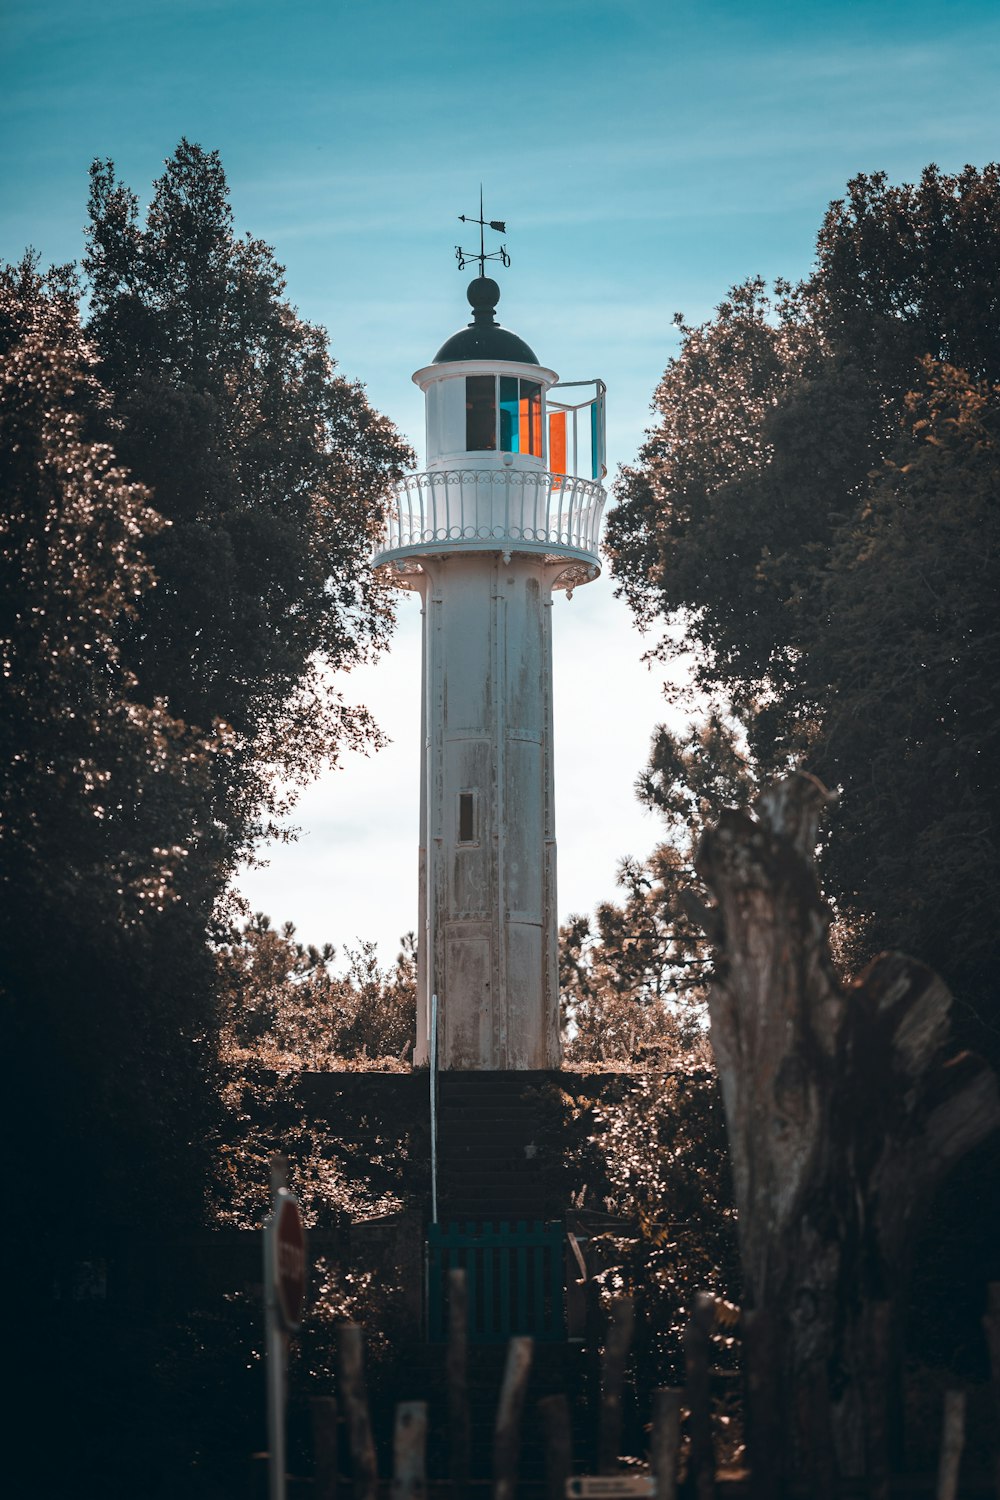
column 844, row 1112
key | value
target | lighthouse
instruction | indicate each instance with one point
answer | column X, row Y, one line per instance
column 503, row 520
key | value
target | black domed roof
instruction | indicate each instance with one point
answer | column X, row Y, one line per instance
column 484, row 338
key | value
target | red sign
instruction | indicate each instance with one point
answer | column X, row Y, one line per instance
column 288, row 1260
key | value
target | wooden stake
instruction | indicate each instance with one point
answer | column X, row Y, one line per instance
column 558, row 1445
column 762, row 1381
column 507, row 1433
column 324, row 1434
column 409, row 1451
column 351, row 1370
column 616, row 1347
column 817, row 1434
column 593, row 1337
column 697, row 1359
column 952, row 1443
column 877, row 1405
column 665, row 1441
column 991, row 1323
column 459, row 1428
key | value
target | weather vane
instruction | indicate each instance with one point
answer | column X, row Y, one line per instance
column 466, row 257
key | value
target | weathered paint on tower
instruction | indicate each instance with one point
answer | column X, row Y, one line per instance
column 486, row 534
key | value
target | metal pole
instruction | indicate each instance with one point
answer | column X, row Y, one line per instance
column 434, row 1104
column 276, row 1348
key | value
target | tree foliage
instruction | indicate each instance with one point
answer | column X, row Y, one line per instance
column 283, row 1004
column 633, row 980
column 816, row 506
column 190, row 497
column 102, row 795
column 272, row 470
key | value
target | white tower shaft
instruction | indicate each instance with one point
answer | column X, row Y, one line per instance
column 488, row 926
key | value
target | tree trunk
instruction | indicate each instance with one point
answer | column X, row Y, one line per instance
column 844, row 1113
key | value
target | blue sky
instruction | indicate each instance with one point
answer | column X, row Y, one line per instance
column 645, row 156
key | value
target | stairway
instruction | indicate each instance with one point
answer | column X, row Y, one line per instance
column 492, row 1162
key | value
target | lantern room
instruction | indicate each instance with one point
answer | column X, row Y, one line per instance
column 515, row 458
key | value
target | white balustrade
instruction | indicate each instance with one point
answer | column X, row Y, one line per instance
column 491, row 508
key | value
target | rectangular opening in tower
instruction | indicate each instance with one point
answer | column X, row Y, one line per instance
column 466, row 817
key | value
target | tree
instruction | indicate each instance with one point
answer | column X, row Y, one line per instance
column 102, row 795
column 272, row 470
column 283, row 1005
column 816, row 505
column 633, row 983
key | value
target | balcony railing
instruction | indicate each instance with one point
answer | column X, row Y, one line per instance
column 494, row 509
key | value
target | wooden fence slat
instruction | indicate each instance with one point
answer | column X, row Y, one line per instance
column 488, row 1322
column 505, row 1326
column 323, row 1413
column 877, row 1375
column 538, row 1277
column 991, row 1323
column 665, row 1441
column 409, row 1451
column 459, row 1430
column 697, row 1360
column 558, row 1430
column 762, row 1383
column 952, row 1443
column 557, row 1277
column 817, row 1433
column 507, row 1432
column 617, row 1343
column 350, row 1362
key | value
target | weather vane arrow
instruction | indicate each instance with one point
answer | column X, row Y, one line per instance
column 466, row 257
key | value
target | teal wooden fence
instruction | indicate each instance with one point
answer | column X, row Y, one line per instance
column 515, row 1277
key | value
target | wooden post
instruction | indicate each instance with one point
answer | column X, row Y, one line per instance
column 558, row 1445
column 618, row 1341
column 409, row 1451
column 991, row 1323
column 878, row 1319
column 323, row 1410
column 459, row 1430
column 819, row 1459
column 762, row 1384
column 697, row 1362
column 594, row 1337
column 507, row 1433
column 952, row 1443
column 844, row 1110
column 665, row 1440
column 351, row 1371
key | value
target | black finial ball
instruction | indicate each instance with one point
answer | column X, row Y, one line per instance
column 483, row 294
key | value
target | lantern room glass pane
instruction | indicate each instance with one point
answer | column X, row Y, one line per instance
column 509, row 415
column 557, row 442
column 531, row 417
column 480, row 413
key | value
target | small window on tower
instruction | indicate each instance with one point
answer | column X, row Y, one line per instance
column 466, row 817
column 480, row 413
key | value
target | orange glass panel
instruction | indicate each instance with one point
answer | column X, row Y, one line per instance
column 535, row 402
column 557, row 442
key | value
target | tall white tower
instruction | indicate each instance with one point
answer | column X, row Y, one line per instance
column 499, row 520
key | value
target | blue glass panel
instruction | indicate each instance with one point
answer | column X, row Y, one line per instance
column 595, row 441
column 509, row 429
